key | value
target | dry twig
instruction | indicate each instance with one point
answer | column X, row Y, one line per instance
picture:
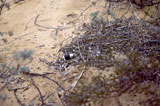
column 77, row 79
column 134, row 12
column 18, row 100
column 44, row 76
column 41, row 96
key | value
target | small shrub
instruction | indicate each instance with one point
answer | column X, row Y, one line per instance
column 5, row 40
column 26, row 54
column 25, row 69
column 16, row 55
column 1, row 33
column 10, row 33
column 22, row 54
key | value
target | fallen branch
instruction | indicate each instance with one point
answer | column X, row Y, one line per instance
column 42, row 100
column 18, row 100
column 59, row 96
column 134, row 10
column 49, row 96
column 35, row 22
column 44, row 76
column 78, row 78
column 80, row 52
column 85, row 10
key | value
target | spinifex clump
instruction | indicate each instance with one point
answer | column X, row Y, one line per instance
column 95, row 48
column 137, row 40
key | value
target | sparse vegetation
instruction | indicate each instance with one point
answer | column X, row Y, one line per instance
column 100, row 45
column 10, row 33
column 138, row 41
column 25, row 54
column 10, row 72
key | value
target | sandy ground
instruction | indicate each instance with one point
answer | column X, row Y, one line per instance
column 48, row 14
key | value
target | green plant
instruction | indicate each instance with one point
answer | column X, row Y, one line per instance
column 22, row 54
column 10, row 33
column 26, row 54
column 98, row 47
column 5, row 40
column 1, row 33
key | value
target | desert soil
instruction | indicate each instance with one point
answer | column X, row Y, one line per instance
column 65, row 15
